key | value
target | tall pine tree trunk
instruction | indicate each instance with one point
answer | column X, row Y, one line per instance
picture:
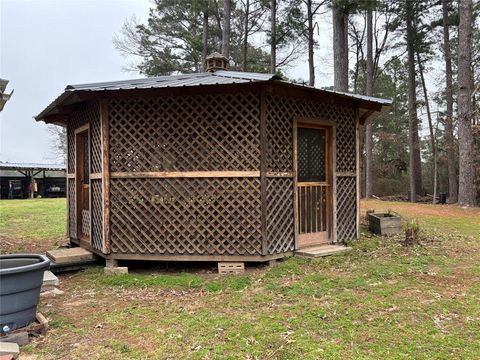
column 449, row 138
column 430, row 126
column 311, row 63
column 414, row 141
column 205, row 38
column 245, row 36
column 273, row 40
column 466, row 189
column 340, row 47
column 226, row 29
column 368, row 127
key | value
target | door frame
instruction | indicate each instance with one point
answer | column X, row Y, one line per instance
column 330, row 126
column 78, row 132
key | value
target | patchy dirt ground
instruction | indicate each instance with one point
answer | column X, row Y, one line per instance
column 381, row 300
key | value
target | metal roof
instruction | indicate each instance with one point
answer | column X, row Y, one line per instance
column 220, row 77
column 31, row 166
column 196, row 79
column 385, row 102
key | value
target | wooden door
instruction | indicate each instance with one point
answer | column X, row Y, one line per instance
column 313, row 162
column 83, row 185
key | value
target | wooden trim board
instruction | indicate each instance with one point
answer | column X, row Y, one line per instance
column 184, row 174
column 148, row 257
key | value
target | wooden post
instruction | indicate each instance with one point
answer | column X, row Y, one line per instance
column 104, row 122
column 334, row 184
column 67, row 184
column 32, row 185
column 90, row 192
column 357, row 164
column 263, row 169
column 295, row 194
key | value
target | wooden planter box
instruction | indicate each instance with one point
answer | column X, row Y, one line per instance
column 384, row 223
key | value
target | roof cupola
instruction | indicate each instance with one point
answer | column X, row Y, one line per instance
column 216, row 61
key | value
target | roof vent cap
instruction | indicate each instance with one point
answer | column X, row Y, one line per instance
column 216, row 61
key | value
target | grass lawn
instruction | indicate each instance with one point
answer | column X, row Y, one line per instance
column 380, row 301
column 35, row 225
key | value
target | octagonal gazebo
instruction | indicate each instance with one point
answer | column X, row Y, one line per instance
column 214, row 166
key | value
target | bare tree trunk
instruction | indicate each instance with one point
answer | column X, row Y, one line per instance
column 218, row 19
column 204, row 39
column 430, row 126
column 273, row 44
column 414, row 141
column 449, row 138
column 340, row 48
column 226, row 29
column 311, row 61
column 368, row 127
column 245, row 36
column 466, row 189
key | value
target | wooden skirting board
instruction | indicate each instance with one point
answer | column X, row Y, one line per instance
column 167, row 257
column 211, row 258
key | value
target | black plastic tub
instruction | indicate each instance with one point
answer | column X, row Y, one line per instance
column 21, row 277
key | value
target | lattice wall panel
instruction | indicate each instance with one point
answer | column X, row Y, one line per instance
column 97, row 214
column 346, row 208
column 86, row 223
column 190, row 216
column 72, row 217
column 90, row 114
column 193, row 133
column 280, row 114
column 95, row 140
column 280, row 215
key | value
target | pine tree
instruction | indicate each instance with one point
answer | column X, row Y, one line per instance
column 466, row 190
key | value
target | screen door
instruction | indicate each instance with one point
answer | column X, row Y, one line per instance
column 313, row 185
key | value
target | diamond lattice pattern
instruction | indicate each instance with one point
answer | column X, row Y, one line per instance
column 280, row 219
column 192, row 133
column 90, row 114
column 346, row 208
column 97, row 214
column 191, row 216
column 72, row 217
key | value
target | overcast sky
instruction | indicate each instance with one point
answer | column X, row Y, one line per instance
column 46, row 45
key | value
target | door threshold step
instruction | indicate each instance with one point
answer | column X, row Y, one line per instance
column 322, row 250
column 71, row 259
column 70, row 255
